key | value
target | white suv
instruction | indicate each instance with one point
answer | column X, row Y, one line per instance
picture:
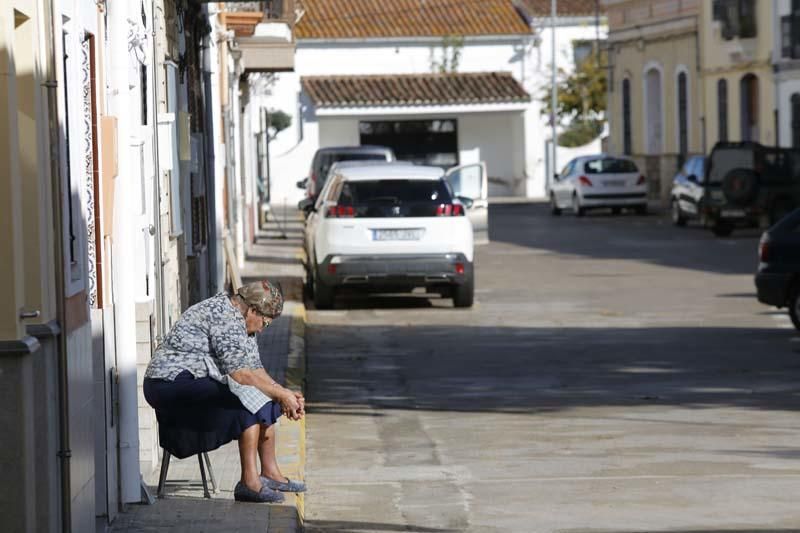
column 393, row 227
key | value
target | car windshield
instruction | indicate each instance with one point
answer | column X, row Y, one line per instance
column 609, row 165
column 351, row 156
column 395, row 198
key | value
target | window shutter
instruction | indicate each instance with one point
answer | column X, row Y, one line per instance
column 787, row 32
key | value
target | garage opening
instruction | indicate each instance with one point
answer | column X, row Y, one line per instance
column 424, row 142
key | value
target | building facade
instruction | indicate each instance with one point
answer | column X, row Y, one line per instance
column 122, row 169
column 736, row 54
column 655, row 97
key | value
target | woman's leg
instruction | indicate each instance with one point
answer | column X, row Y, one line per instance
column 266, row 452
column 248, row 445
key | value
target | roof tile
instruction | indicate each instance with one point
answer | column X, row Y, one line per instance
column 414, row 89
column 365, row 19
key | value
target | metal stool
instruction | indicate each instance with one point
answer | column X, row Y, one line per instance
column 201, row 458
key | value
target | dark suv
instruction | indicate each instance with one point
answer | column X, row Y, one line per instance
column 748, row 184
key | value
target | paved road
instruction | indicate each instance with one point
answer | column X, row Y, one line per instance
column 616, row 374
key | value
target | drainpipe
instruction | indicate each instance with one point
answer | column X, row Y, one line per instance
column 64, row 452
column 123, row 265
column 158, row 271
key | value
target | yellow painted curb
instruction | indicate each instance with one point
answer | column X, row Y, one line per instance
column 291, row 439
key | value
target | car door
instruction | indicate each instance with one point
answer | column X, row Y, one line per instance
column 471, row 181
column 563, row 187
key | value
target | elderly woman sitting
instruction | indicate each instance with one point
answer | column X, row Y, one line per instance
column 208, row 387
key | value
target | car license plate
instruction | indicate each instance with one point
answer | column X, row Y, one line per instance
column 615, row 183
column 397, row 234
column 732, row 213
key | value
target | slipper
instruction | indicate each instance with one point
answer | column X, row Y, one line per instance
column 289, row 486
column 242, row 493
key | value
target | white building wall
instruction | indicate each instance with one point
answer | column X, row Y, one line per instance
column 293, row 149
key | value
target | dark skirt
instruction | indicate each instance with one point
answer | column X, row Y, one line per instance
column 200, row 415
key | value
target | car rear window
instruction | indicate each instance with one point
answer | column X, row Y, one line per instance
column 394, row 198
column 609, row 165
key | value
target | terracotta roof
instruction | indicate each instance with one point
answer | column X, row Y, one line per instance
column 414, row 89
column 365, row 19
column 564, row 8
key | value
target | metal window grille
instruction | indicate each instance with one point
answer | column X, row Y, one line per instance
column 626, row 117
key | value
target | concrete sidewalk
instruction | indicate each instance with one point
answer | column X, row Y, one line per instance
column 275, row 256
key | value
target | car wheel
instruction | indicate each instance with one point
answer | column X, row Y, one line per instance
column 464, row 294
column 616, row 210
column 324, row 294
column 576, row 206
column 678, row 217
column 721, row 229
column 554, row 209
column 794, row 308
column 641, row 209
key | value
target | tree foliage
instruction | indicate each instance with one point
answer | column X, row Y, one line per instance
column 279, row 121
column 581, row 94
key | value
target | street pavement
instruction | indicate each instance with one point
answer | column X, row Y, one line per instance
column 615, row 375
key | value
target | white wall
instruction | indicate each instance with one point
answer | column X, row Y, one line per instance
column 293, row 149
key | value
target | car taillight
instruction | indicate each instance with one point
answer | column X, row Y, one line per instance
column 641, row 180
column 450, row 210
column 763, row 251
column 585, row 181
column 341, row 211
column 459, row 268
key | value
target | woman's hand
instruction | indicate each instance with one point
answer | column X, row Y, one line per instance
column 291, row 406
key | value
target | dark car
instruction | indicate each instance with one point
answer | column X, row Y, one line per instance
column 325, row 157
column 686, row 198
column 748, row 184
column 778, row 276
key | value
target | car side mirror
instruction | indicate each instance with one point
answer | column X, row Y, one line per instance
column 692, row 178
column 302, row 183
column 306, row 205
column 467, row 202
column 555, row 176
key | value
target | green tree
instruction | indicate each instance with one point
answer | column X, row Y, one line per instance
column 581, row 94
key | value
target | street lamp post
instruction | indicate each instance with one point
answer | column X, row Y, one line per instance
column 553, row 94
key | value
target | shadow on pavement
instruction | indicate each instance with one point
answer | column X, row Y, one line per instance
column 340, row 526
column 540, row 370
column 650, row 238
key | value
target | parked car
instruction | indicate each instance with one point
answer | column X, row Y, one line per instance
column 748, row 184
column 686, row 198
column 325, row 157
column 392, row 228
column 598, row 181
column 778, row 276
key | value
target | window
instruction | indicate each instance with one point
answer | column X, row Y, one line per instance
column 581, row 51
column 394, row 198
column 790, row 32
column 722, row 109
column 626, row 117
column 737, row 18
column 609, row 165
column 748, row 94
column 796, row 120
column 683, row 116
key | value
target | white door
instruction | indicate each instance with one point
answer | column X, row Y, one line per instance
column 472, row 182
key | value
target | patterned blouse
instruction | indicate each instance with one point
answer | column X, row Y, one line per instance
column 212, row 328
